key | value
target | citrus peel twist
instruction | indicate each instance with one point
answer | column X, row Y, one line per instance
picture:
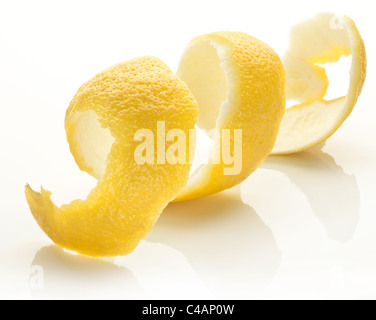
column 322, row 39
column 239, row 83
column 227, row 81
column 128, row 199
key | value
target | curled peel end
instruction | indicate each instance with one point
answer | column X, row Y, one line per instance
column 322, row 39
column 129, row 197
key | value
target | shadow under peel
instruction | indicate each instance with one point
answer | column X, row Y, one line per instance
column 333, row 195
column 63, row 275
column 229, row 247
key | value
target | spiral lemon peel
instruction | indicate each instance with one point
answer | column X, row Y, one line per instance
column 322, row 39
column 239, row 83
column 227, row 83
column 106, row 113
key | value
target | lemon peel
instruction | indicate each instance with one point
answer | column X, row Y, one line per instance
column 239, row 83
column 128, row 199
column 226, row 80
column 322, row 39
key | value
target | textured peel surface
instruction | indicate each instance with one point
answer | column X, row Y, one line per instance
column 313, row 42
column 226, row 82
column 128, row 199
column 239, row 83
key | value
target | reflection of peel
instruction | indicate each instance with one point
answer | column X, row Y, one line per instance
column 245, row 92
column 67, row 276
column 315, row 42
column 332, row 194
column 224, row 240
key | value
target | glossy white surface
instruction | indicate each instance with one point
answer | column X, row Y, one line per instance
column 302, row 226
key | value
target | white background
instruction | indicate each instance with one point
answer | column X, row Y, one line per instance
column 302, row 226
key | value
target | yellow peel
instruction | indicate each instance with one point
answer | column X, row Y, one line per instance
column 106, row 113
column 322, row 39
column 239, row 83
